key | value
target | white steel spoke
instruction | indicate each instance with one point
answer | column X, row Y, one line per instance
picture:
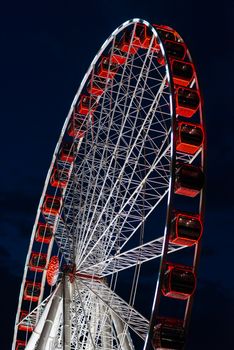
column 131, row 258
column 121, row 308
column 118, row 180
column 120, row 173
column 131, row 200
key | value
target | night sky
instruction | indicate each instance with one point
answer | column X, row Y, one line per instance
column 46, row 49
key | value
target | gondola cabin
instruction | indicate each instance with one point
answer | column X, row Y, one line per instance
column 66, row 153
column 59, row 178
column 174, row 50
column 107, row 69
column 32, row 291
column 97, row 86
column 186, row 229
column 51, row 205
column 189, row 180
column 86, row 105
column 77, row 126
column 44, row 233
column 25, row 325
column 179, row 282
column 182, row 72
column 168, row 334
column 126, row 44
column 165, row 33
column 20, row 345
column 189, row 137
column 142, row 36
column 187, row 101
column 37, row 262
column 118, row 57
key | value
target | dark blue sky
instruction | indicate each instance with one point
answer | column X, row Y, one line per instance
column 45, row 51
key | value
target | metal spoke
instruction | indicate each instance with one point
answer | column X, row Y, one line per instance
column 121, row 308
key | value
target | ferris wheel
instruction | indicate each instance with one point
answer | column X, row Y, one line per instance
column 113, row 255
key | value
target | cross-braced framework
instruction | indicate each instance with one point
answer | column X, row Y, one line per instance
column 118, row 172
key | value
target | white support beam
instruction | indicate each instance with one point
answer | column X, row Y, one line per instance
column 52, row 316
column 146, row 252
column 122, row 333
column 106, row 328
column 131, row 317
column 39, row 327
column 66, row 313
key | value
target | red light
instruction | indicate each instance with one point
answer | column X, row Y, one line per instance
column 52, row 271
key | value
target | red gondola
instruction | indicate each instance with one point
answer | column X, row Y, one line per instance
column 189, row 137
column 37, row 261
column 117, row 57
column 44, row 233
column 168, row 334
column 107, row 69
column 187, row 101
column 97, row 86
column 51, row 205
column 142, row 36
column 53, row 270
column 59, row 178
column 23, row 326
column 20, row 345
column 66, row 153
column 86, row 105
column 32, row 291
column 186, row 229
column 126, row 44
column 179, row 282
column 174, row 50
column 182, row 72
column 166, row 33
column 189, row 180
column 77, row 126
